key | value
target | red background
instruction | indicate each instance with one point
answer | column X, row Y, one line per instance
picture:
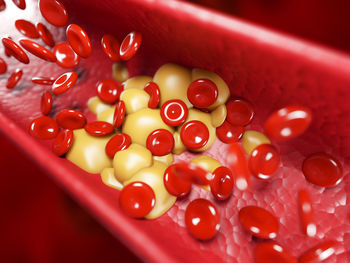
column 50, row 227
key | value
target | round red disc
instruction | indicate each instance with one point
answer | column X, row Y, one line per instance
column 229, row 133
column 26, row 28
column 64, row 82
column 221, row 185
column 259, row 222
column 21, row 4
column 202, row 93
column 191, row 173
column 119, row 114
column 174, row 112
column 71, row 119
column 239, row 112
column 37, row 50
column 108, row 90
column 14, row 79
column 12, row 49
column 264, row 161
column 43, row 128
column 153, row 91
column 79, row 40
column 272, row 252
column 194, row 134
column 174, row 184
column 63, row 142
column 3, row 66
column 137, row 199
column 65, row 55
column 43, row 80
column 288, row 122
column 202, row 219
column 160, row 142
column 54, row 12
column 45, row 34
column 46, row 103
column 117, row 143
column 319, row 253
column 130, row 45
column 99, row 128
column 111, row 46
column 323, row 170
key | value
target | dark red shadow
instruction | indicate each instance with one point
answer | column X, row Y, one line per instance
column 40, row 223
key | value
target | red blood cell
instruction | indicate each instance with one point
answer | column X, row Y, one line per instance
column 130, row 45
column 194, row 134
column 191, row 173
column 3, row 66
column 319, row 253
column 229, row 133
column 45, row 34
column 264, row 161
column 137, row 199
column 54, row 12
column 202, row 93
column 174, row 184
column 99, row 128
column 14, row 79
column 71, row 119
column 239, row 112
column 111, row 46
column 174, row 112
column 2, row 5
column 63, row 142
column 306, row 214
column 153, row 90
column 259, row 222
column 117, row 143
column 202, row 219
column 43, row 80
column 239, row 166
column 64, row 82
column 108, row 90
column 79, row 40
column 20, row 4
column 43, row 128
column 46, row 103
column 12, row 49
column 119, row 114
column 37, row 50
column 221, row 185
column 288, row 122
column 272, row 252
column 323, row 170
column 65, row 55
column 26, row 28
column 160, row 142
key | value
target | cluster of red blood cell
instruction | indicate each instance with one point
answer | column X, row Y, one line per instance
column 137, row 199
column 66, row 55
